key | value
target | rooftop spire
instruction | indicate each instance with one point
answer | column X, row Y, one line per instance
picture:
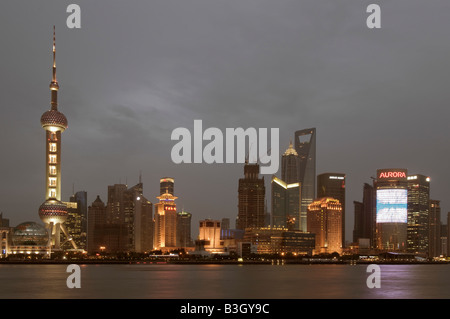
column 54, row 84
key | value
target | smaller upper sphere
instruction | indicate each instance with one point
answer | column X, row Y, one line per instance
column 55, row 119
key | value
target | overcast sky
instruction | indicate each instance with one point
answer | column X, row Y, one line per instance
column 136, row 70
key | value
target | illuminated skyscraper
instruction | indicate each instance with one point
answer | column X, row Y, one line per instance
column 285, row 204
column 418, row 213
column 209, row 232
column 165, row 234
column 77, row 218
column 251, row 199
column 290, row 162
column 53, row 212
column 333, row 185
column 392, row 209
column 325, row 221
column 305, row 145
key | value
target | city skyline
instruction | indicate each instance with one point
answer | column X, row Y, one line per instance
column 122, row 112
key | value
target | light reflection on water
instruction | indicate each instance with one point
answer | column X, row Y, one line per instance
column 225, row 281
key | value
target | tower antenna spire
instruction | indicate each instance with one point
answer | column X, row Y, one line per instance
column 54, row 87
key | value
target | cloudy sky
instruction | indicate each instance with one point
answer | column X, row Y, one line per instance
column 136, row 70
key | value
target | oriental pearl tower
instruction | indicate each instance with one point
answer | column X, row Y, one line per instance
column 53, row 212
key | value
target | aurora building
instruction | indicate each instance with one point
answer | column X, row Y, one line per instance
column 391, row 209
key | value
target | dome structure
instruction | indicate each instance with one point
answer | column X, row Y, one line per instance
column 29, row 234
column 53, row 211
column 54, row 120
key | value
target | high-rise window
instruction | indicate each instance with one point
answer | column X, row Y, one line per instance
column 52, row 181
column 52, row 170
column 52, row 159
column 52, row 193
column 52, row 147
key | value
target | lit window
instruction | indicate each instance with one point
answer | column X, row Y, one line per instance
column 52, row 159
column 52, row 170
column 52, row 181
column 52, row 147
column 53, row 136
column 52, row 193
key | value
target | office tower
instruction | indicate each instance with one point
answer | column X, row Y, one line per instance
column 305, row 145
column 443, row 242
column 434, row 229
column 53, row 212
column 96, row 220
column 165, row 221
column 166, row 184
column 209, row 233
column 285, row 204
column 418, row 211
column 365, row 220
column 358, row 221
column 290, row 162
column 392, row 209
column 325, row 221
column 131, row 215
column 184, row 238
column 77, row 218
column 251, row 199
column 333, row 185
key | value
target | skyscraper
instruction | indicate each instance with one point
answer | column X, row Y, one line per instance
column 251, row 199
column 418, row 213
column 434, row 228
column 77, row 218
column 131, row 212
column 209, row 232
column 333, row 185
column 305, row 145
column 324, row 220
column 290, row 162
column 165, row 234
column 392, row 209
column 184, row 238
column 285, row 204
column 53, row 212
column 365, row 216
column 96, row 224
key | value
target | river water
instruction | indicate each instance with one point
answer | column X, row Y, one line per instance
column 166, row 281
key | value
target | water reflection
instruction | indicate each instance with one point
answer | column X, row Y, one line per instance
column 225, row 281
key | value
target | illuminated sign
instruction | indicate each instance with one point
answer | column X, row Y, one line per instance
column 394, row 174
column 392, row 206
column 167, row 207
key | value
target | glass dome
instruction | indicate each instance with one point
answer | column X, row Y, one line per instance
column 29, row 234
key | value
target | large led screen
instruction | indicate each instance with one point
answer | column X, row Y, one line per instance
column 392, row 206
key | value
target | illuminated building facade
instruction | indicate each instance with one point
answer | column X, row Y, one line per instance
column 391, row 209
column 209, row 233
column 325, row 221
column 290, row 162
column 418, row 213
column 305, row 145
column 333, row 185
column 165, row 233
column 53, row 212
column 251, row 199
column 77, row 218
column 285, row 204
